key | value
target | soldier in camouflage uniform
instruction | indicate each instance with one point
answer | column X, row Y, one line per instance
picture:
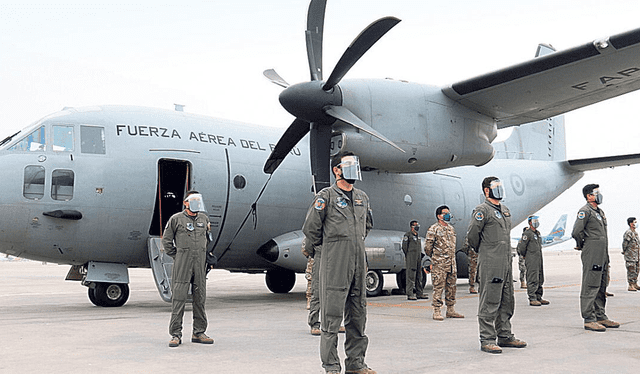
column 440, row 245
column 311, row 274
column 590, row 233
column 472, row 258
column 522, row 269
column 630, row 248
column 489, row 233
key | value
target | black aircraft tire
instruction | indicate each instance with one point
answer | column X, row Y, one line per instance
column 280, row 280
column 111, row 294
column 374, row 283
column 92, row 296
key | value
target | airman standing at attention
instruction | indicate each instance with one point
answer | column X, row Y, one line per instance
column 530, row 249
column 590, row 233
column 489, row 234
column 630, row 248
column 440, row 245
column 339, row 220
column 411, row 246
column 185, row 240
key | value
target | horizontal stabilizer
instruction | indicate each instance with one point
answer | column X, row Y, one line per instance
column 554, row 83
column 595, row 163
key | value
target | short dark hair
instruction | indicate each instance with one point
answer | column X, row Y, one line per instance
column 412, row 222
column 337, row 159
column 440, row 209
column 630, row 219
column 486, row 182
column 189, row 193
column 588, row 189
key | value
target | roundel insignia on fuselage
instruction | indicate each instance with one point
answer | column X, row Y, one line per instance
column 581, row 215
column 479, row 216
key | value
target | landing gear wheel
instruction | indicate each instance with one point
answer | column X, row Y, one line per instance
column 374, row 283
column 109, row 294
column 280, row 280
column 92, row 296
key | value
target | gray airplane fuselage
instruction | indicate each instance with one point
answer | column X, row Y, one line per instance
column 116, row 189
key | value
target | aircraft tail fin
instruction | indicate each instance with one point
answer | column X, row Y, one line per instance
column 559, row 228
column 542, row 140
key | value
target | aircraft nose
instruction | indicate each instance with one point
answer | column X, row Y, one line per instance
column 269, row 251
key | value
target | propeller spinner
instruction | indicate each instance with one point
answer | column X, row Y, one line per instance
column 317, row 104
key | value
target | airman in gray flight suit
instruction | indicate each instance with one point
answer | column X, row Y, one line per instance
column 530, row 249
column 590, row 233
column 489, row 234
column 412, row 248
column 339, row 220
column 185, row 240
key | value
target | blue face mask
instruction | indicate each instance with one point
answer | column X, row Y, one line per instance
column 446, row 217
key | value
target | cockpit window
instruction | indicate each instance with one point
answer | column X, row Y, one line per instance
column 92, row 140
column 62, row 184
column 33, row 187
column 34, row 142
column 62, row 138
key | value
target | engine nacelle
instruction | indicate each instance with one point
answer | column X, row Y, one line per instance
column 434, row 131
column 383, row 248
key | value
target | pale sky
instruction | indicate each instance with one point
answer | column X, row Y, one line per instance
column 210, row 56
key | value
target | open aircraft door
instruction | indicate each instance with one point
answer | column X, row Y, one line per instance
column 175, row 178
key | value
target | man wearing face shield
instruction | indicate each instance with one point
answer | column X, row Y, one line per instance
column 413, row 260
column 489, row 234
column 185, row 240
column 440, row 245
column 590, row 233
column 530, row 248
column 630, row 248
column 339, row 220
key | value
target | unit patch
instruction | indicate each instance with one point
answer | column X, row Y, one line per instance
column 320, row 204
column 498, row 215
column 524, row 238
column 479, row 216
column 190, row 226
column 581, row 215
column 341, row 203
column 598, row 216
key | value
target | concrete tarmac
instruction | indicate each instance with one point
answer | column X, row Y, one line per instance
column 49, row 325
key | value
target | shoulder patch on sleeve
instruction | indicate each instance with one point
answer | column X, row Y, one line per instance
column 524, row 237
column 581, row 215
column 320, row 204
column 479, row 216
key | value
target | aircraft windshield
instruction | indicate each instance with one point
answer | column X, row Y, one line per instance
column 33, row 142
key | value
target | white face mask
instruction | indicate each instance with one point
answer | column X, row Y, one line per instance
column 350, row 166
column 196, row 204
column 496, row 191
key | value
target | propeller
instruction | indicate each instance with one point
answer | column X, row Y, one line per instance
column 317, row 104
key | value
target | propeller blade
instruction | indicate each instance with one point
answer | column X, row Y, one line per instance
column 296, row 131
column 345, row 115
column 319, row 148
column 275, row 78
column 361, row 44
column 313, row 36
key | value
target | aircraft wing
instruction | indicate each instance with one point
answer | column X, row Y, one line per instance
column 595, row 163
column 558, row 241
column 555, row 83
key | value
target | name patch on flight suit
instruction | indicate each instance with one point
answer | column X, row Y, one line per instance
column 479, row 216
column 320, row 204
column 581, row 215
column 358, row 202
column 200, row 224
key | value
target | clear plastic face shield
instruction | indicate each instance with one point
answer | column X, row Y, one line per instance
column 496, row 191
column 350, row 166
column 596, row 193
column 196, row 203
column 534, row 221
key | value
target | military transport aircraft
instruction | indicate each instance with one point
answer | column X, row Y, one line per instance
column 93, row 187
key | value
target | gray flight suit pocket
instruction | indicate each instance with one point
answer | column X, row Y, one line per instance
column 334, row 303
column 594, row 276
column 494, row 290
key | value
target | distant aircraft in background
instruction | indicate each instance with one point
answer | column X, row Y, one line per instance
column 556, row 236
